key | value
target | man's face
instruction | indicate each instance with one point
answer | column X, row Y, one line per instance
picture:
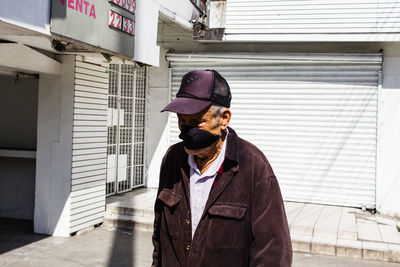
column 203, row 120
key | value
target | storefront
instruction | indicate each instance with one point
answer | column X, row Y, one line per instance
column 313, row 115
column 76, row 102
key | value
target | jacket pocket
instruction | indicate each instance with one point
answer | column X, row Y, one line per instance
column 169, row 197
column 171, row 212
column 228, row 211
column 227, row 226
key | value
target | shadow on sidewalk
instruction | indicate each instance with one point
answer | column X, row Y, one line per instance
column 16, row 233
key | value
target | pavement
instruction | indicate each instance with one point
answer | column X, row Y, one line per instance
column 109, row 247
column 315, row 229
column 101, row 246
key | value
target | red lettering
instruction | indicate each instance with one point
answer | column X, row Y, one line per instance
column 79, row 4
column 133, row 6
column 132, row 27
column 71, row 4
column 92, row 12
column 86, row 6
column 113, row 18
column 62, row 2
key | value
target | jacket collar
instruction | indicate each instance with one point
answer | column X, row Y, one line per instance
column 231, row 146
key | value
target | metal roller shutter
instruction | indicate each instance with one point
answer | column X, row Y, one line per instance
column 89, row 148
column 244, row 17
column 313, row 115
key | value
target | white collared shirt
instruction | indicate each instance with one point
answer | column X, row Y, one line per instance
column 200, row 185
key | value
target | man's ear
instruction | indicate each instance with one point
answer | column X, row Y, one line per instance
column 225, row 119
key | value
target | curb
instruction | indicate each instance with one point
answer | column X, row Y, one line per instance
column 128, row 222
column 142, row 220
column 367, row 250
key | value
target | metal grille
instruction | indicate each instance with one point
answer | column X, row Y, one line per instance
column 126, row 119
column 112, row 133
column 140, row 116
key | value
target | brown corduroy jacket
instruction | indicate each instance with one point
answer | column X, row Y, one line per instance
column 243, row 223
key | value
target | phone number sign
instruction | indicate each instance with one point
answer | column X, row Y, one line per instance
column 129, row 5
column 121, row 23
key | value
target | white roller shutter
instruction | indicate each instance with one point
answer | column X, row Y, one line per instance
column 311, row 17
column 313, row 115
column 89, row 148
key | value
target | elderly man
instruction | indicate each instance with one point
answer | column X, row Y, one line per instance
column 219, row 202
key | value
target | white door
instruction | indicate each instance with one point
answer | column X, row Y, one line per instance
column 313, row 115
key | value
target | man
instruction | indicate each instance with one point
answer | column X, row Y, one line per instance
column 219, row 202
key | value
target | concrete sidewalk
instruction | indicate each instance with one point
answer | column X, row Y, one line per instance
column 105, row 247
column 100, row 247
column 321, row 229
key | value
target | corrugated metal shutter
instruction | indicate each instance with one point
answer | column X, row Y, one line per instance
column 313, row 115
column 311, row 16
column 89, row 149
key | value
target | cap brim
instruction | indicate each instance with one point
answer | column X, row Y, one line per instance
column 183, row 105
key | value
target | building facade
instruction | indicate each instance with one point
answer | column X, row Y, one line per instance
column 73, row 107
column 314, row 86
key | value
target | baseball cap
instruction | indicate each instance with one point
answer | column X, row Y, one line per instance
column 199, row 89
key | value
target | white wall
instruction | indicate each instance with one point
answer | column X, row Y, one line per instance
column 18, row 117
column 146, row 49
column 34, row 15
column 181, row 11
column 54, row 151
column 157, row 133
column 388, row 167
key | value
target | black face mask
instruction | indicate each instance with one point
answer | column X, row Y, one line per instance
column 194, row 138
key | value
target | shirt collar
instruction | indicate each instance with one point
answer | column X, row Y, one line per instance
column 213, row 169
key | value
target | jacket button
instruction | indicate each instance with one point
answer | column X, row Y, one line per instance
column 187, row 247
column 187, row 221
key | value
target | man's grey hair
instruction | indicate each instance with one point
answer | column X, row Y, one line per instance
column 217, row 110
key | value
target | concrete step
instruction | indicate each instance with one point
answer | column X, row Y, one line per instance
column 319, row 229
column 129, row 222
column 129, row 211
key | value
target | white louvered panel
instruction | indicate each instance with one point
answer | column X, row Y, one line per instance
column 86, row 224
column 87, row 191
column 89, row 150
column 311, row 17
column 84, row 220
column 313, row 115
column 86, row 214
column 98, row 91
column 89, row 195
column 87, row 207
column 87, row 185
